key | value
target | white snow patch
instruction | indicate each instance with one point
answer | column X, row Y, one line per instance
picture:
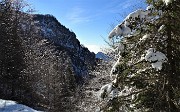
column 143, row 15
column 107, row 88
column 123, row 28
column 120, row 48
column 141, row 70
column 161, row 28
column 156, row 58
column 117, row 31
column 4, row 103
column 167, row 2
column 126, row 23
column 138, row 14
column 115, row 66
column 125, row 91
column 145, row 37
column 134, row 15
column 114, row 93
column 115, row 80
column 157, row 65
column 150, row 7
column 112, row 33
column 109, row 91
column 12, row 106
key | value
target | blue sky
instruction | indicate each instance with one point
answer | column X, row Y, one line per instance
column 89, row 19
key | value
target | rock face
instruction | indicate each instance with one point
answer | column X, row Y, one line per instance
column 64, row 39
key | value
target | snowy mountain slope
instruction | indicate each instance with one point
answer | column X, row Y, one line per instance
column 12, row 106
column 102, row 56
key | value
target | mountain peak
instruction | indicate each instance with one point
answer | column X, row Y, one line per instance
column 101, row 55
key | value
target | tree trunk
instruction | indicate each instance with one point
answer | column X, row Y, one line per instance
column 170, row 73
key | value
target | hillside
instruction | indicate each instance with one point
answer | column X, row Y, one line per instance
column 41, row 61
column 64, row 39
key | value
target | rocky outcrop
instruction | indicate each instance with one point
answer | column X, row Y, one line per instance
column 64, row 39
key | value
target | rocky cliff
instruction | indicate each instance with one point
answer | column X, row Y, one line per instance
column 64, row 39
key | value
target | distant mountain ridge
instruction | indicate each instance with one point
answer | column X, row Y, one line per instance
column 101, row 55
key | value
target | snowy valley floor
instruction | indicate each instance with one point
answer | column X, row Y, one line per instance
column 12, row 106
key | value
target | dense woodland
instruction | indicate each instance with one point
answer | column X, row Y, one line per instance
column 44, row 66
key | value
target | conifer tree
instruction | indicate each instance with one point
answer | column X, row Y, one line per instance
column 147, row 70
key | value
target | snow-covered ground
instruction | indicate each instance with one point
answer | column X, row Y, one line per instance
column 12, row 106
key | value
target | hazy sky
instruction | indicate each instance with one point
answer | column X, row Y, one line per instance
column 90, row 19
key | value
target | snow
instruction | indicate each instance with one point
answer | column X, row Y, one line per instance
column 160, row 12
column 150, row 7
column 141, row 70
column 133, row 15
column 123, row 28
column 109, row 91
column 161, row 28
column 112, row 34
column 4, row 103
column 120, row 48
column 115, row 66
column 69, row 45
column 107, row 88
column 156, row 58
column 98, row 109
column 126, row 23
column 115, row 80
column 137, row 14
column 143, row 15
column 167, row 2
column 117, row 31
column 125, row 91
column 114, row 93
column 12, row 106
column 145, row 37
column 157, row 65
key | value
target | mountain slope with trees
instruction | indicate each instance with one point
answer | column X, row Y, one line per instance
column 39, row 69
column 52, row 30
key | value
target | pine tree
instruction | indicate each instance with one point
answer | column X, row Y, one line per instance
column 148, row 64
